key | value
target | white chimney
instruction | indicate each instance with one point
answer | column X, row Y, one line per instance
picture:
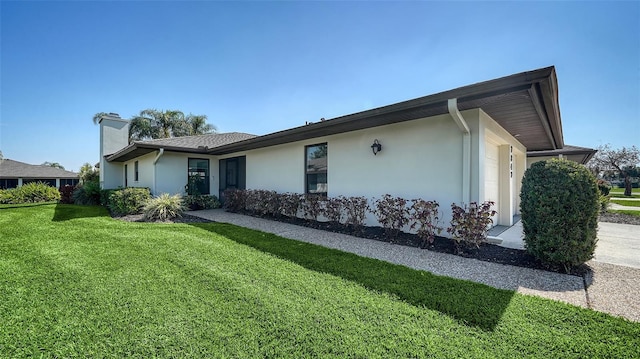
column 114, row 136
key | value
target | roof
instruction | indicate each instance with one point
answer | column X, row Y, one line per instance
column 192, row 144
column 525, row 104
column 567, row 150
column 14, row 169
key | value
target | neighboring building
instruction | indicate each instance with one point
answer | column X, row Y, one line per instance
column 463, row 145
column 14, row 174
column 581, row 155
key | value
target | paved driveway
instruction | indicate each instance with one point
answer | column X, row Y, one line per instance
column 617, row 243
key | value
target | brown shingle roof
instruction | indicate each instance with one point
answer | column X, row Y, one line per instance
column 15, row 169
column 192, row 144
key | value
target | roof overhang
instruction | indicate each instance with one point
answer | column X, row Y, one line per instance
column 138, row 149
column 579, row 154
column 525, row 104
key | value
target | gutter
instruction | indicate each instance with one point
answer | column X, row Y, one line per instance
column 452, row 105
column 160, row 153
column 155, row 160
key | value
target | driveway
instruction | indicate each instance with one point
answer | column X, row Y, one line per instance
column 617, row 243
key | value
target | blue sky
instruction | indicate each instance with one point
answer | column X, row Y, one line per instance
column 261, row 67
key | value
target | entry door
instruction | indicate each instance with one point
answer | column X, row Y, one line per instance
column 492, row 176
column 232, row 173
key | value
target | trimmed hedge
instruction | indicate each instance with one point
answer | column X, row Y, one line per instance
column 128, row 200
column 33, row 192
column 560, row 205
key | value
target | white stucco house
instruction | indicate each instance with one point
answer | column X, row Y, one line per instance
column 463, row 145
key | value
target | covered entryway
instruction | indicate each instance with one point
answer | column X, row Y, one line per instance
column 233, row 173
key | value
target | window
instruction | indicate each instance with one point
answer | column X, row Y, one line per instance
column 198, row 176
column 126, row 175
column 135, row 171
column 8, row 183
column 68, row 182
column 316, row 169
column 48, row 181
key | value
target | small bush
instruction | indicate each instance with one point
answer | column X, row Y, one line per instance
column 203, row 201
column 604, row 187
column 560, row 205
column 33, row 192
column 163, row 207
column 88, row 194
column 234, row 200
column 355, row 210
column 470, row 224
column 128, row 200
column 424, row 215
column 333, row 208
column 66, row 194
column 311, row 206
column 392, row 213
column 289, row 204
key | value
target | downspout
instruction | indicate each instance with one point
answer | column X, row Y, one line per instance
column 452, row 104
column 155, row 160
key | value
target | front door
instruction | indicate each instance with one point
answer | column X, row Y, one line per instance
column 232, row 173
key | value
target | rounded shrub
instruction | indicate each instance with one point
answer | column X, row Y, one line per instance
column 560, row 204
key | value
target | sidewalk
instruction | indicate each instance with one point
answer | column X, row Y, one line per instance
column 613, row 289
column 617, row 243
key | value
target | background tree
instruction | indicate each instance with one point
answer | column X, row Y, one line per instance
column 53, row 164
column 1, row 156
column 98, row 116
column 620, row 160
column 152, row 124
column 88, row 173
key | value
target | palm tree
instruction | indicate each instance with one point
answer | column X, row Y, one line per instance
column 151, row 123
column 199, row 126
column 98, row 116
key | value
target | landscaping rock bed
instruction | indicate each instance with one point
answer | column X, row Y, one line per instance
column 619, row 218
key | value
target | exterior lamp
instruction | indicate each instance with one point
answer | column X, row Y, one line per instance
column 376, row 147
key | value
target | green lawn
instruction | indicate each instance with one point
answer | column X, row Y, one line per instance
column 623, row 202
column 619, row 192
column 76, row 283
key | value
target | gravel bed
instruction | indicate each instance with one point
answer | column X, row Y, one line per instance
column 619, row 218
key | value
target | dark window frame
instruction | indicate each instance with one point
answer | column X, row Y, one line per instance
column 126, row 175
column 136, row 176
column 307, row 174
column 208, row 173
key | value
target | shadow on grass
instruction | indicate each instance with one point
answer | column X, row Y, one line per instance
column 470, row 303
column 23, row 205
column 65, row 212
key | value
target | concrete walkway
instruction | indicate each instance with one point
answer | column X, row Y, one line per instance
column 617, row 243
column 612, row 289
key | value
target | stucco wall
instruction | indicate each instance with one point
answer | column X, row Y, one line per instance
column 145, row 171
column 114, row 135
column 171, row 173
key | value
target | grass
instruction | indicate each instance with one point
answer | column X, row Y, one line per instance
column 623, row 202
column 619, row 192
column 77, row 283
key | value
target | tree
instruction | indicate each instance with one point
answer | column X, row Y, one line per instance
column 88, row 173
column 620, row 160
column 152, row 124
column 53, row 164
column 1, row 156
column 98, row 116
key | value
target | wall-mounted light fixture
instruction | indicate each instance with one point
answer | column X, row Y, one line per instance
column 376, row 147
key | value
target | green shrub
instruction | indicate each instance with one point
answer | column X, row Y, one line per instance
column 87, row 194
column 163, row 207
column 30, row 193
column 128, row 200
column 560, row 205
column 197, row 202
